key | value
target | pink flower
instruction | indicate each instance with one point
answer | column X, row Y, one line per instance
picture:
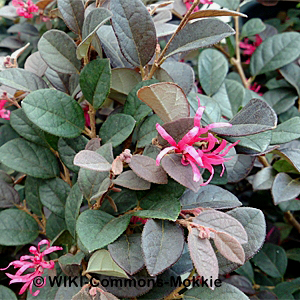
column 189, row 3
column 4, row 113
column 25, row 9
column 250, row 48
column 135, row 220
column 37, row 263
column 203, row 155
column 255, row 88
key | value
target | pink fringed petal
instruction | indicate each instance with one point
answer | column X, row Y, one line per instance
column 165, row 135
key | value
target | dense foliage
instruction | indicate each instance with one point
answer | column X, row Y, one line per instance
column 144, row 145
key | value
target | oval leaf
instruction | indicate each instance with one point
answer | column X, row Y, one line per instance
column 58, row 50
column 157, row 237
column 146, row 168
column 137, row 42
column 131, row 181
column 166, row 99
column 8, row 195
column 29, row 158
column 126, row 251
column 275, row 52
column 199, row 34
column 54, row 112
column 102, row 263
column 91, row 160
column 17, row 228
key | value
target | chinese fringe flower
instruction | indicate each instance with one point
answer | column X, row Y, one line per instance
column 189, row 3
column 4, row 113
column 250, row 48
column 197, row 150
column 255, row 87
column 25, row 9
column 37, row 263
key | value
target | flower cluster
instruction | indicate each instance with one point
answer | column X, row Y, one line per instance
column 4, row 113
column 25, row 10
column 197, row 147
column 37, row 263
column 250, row 48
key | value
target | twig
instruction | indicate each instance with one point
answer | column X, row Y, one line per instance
column 292, row 220
column 175, row 293
column 220, row 48
column 263, row 161
column 92, row 114
column 237, row 61
column 183, row 22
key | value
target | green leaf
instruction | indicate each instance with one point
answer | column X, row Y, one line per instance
column 291, row 287
column 22, row 80
column 102, row 263
column 263, row 179
column 291, row 73
column 8, row 195
column 293, row 205
column 32, row 195
column 284, row 188
column 55, row 226
column 95, row 81
column 284, row 166
column 281, row 99
column 275, row 52
column 30, row 131
column 291, row 152
column 225, row 292
column 122, row 82
column 157, row 236
column 53, row 195
column 7, row 133
column 72, row 12
column 178, row 72
column 246, row 270
column 153, row 207
column 17, row 228
column 116, row 129
column 54, row 112
column 209, row 196
column 286, row 131
column 212, row 112
column 134, row 106
column 29, row 158
column 96, row 229
column 293, row 254
column 148, row 131
column 73, row 204
column 199, row 34
column 68, row 148
column 252, row 27
column 136, row 42
column 230, row 4
column 96, row 18
column 71, row 260
column 58, row 50
column 6, row 293
column 272, row 260
column 126, row 251
column 212, row 70
column 230, row 97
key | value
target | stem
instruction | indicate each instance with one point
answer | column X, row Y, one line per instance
column 25, row 209
column 263, row 161
column 220, row 48
column 92, row 114
column 175, row 293
column 237, row 61
column 292, row 220
column 183, row 22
